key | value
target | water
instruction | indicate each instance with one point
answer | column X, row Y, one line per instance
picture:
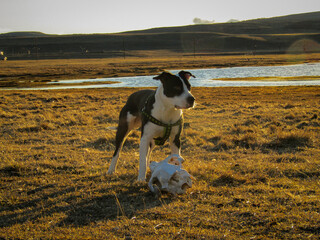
column 204, row 78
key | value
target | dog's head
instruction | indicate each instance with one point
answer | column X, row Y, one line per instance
column 176, row 89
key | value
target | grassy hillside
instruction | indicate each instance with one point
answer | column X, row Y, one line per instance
column 295, row 23
column 288, row 34
column 253, row 151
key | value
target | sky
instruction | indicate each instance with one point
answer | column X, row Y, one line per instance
column 109, row 16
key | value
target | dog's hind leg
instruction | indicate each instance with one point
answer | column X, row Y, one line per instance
column 126, row 123
column 122, row 132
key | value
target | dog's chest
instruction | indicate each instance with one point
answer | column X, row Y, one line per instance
column 165, row 115
column 156, row 131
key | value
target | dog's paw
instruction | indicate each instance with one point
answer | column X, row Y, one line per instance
column 110, row 171
column 141, row 179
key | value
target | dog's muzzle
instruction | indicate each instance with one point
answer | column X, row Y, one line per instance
column 190, row 101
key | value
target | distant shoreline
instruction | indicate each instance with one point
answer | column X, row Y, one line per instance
column 32, row 73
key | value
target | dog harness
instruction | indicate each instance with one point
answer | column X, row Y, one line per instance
column 167, row 127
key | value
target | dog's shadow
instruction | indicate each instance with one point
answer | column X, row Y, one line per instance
column 106, row 204
column 126, row 203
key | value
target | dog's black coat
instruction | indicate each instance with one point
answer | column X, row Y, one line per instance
column 137, row 101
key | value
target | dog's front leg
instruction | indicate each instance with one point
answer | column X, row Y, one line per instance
column 175, row 141
column 144, row 150
column 175, row 148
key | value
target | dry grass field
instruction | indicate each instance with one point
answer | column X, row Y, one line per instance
column 255, row 154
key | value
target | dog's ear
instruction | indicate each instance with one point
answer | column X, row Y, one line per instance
column 163, row 76
column 186, row 75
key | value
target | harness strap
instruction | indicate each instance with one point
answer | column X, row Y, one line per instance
column 167, row 127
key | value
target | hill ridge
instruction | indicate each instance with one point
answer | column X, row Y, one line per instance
column 291, row 18
column 297, row 33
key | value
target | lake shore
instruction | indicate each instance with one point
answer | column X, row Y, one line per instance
column 32, row 73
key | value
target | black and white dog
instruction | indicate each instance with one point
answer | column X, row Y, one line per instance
column 158, row 113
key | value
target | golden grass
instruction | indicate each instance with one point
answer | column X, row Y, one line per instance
column 254, row 152
column 37, row 72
